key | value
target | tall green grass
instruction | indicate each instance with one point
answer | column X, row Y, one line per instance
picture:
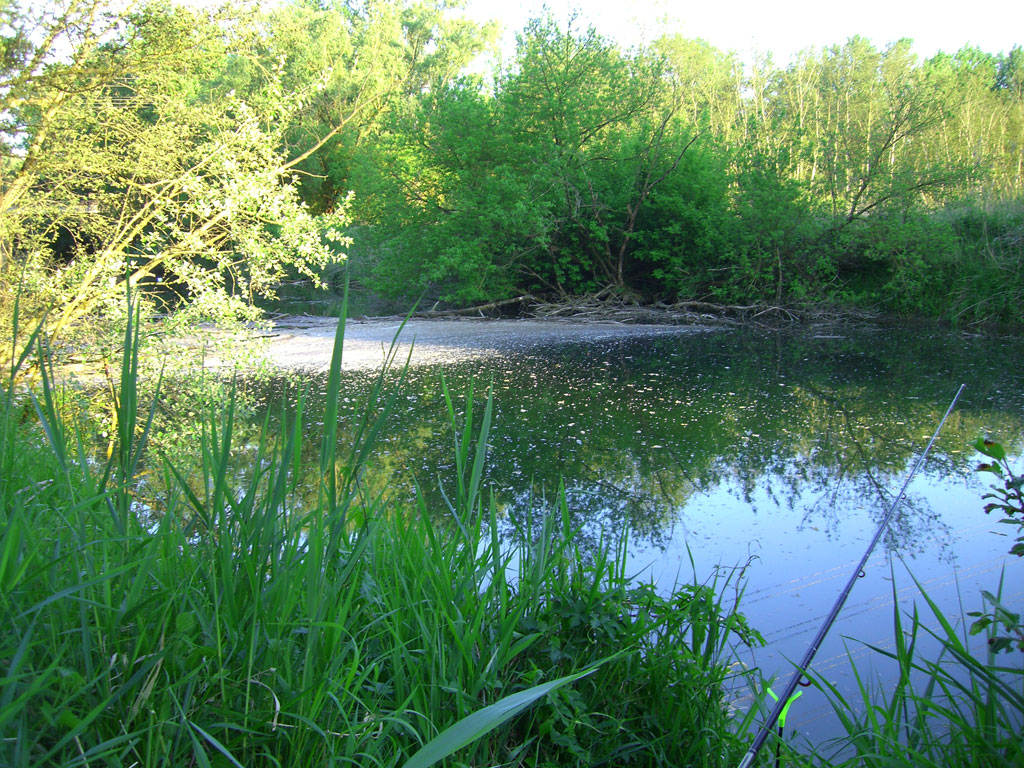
column 947, row 705
column 238, row 625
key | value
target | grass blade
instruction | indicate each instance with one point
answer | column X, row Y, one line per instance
column 474, row 726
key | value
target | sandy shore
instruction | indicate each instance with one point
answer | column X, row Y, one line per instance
column 306, row 343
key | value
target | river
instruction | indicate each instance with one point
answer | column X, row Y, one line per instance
column 776, row 453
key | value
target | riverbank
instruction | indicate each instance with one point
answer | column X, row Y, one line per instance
column 239, row 620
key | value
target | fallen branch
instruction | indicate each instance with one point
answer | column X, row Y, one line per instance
column 479, row 310
column 607, row 306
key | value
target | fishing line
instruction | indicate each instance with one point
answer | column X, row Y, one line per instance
column 784, row 700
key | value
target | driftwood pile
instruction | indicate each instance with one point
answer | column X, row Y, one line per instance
column 629, row 311
column 608, row 306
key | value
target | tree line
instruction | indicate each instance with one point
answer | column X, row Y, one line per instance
column 208, row 156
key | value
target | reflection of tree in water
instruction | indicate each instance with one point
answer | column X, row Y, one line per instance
column 851, row 469
column 644, row 506
column 640, row 431
column 859, row 476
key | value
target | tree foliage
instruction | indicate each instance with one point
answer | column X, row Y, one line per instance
column 847, row 175
column 192, row 153
column 125, row 163
column 209, row 156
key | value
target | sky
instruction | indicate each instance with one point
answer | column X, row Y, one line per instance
column 782, row 27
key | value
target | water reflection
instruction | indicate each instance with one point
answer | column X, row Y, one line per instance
column 813, row 431
column 728, row 448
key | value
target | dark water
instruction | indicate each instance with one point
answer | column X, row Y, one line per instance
column 778, row 452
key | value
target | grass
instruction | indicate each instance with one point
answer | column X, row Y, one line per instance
column 244, row 626
column 945, row 705
column 247, row 623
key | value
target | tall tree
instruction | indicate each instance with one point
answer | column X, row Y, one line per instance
column 371, row 59
column 114, row 142
column 609, row 127
column 1010, row 86
column 880, row 110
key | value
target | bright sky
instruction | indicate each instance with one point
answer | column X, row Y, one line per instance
column 782, row 26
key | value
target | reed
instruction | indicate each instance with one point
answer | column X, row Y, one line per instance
column 949, row 705
column 238, row 624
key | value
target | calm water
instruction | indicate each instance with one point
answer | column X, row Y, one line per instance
column 777, row 452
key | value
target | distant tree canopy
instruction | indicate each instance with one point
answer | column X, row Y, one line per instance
column 850, row 175
column 207, row 156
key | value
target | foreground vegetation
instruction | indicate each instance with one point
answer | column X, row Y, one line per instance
column 946, row 705
column 240, row 623
column 233, row 625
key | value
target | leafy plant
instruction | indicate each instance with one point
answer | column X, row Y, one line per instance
column 242, row 621
column 1008, row 499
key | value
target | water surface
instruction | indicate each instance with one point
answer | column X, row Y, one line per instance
column 777, row 453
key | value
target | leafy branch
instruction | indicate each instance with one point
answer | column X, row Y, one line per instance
column 1008, row 499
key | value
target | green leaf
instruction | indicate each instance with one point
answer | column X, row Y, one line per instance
column 215, row 744
column 481, row 722
column 990, row 448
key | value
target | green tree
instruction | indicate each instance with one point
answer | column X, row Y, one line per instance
column 548, row 184
column 115, row 142
column 457, row 208
column 607, row 129
column 1010, row 85
column 708, row 83
column 369, row 60
column 878, row 108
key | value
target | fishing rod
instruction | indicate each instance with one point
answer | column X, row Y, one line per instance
column 783, row 701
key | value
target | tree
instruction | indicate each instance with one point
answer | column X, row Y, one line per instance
column 880, row 110
column 458, row 207
column 118, row 139
column 574, row 100
column 706, row 81
column 373, row 59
